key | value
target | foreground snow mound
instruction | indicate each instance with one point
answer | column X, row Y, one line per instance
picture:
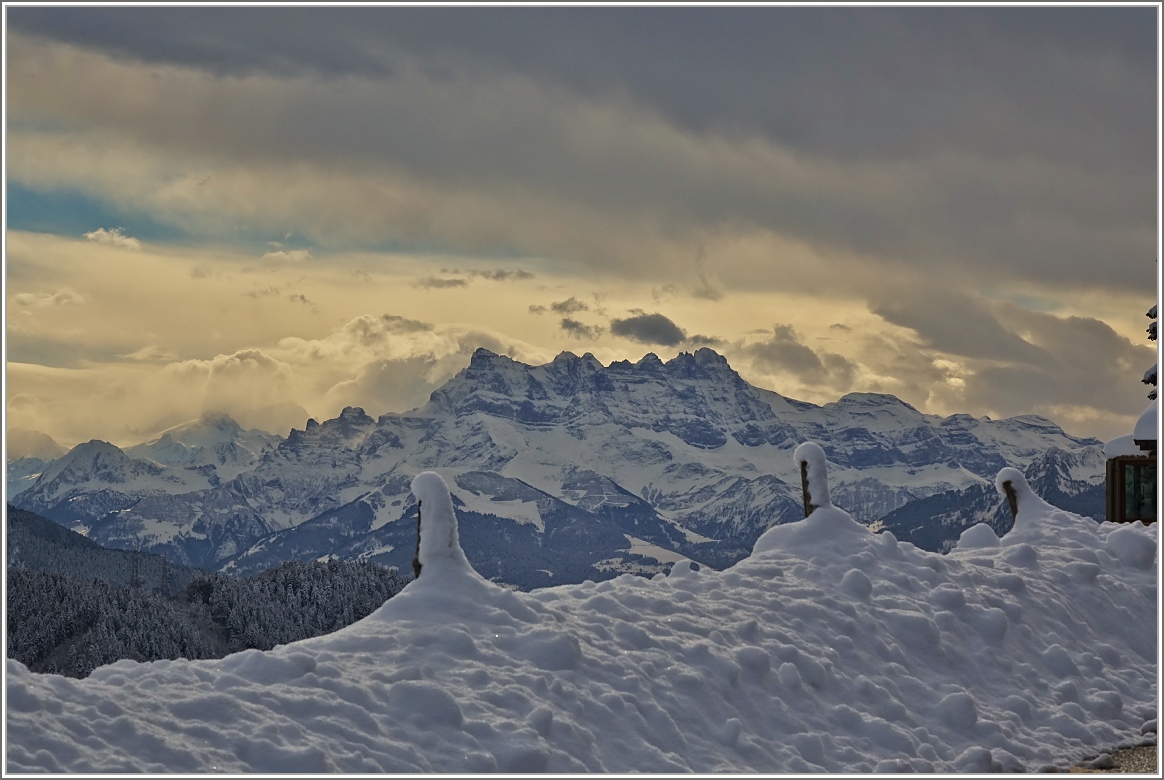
column 829, row 649
column 826, row 532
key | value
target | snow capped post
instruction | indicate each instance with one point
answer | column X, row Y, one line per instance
column 1011, row 497
column 416, row 555
column 814, row 478
column 439, row 544
column 1023, row 501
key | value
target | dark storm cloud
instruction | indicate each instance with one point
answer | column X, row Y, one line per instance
column 956, row 324
column 398, row 324
column 785, row 351
column 569, row 306
column 1018, row 140
column 440, row 283
column 916, row 73
column 1084, row 363
column 649, row 329
column 580, row 330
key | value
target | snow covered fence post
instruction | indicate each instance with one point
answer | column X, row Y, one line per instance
column 814, row 478
column 440, row 546
column 804, row 487
column 1011, row 498
column 416, row 556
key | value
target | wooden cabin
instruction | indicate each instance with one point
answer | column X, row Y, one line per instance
column 1132, row 472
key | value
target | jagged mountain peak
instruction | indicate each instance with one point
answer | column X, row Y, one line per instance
column 567, row 459
column 875, row 400
column 486, row 358
column 650, row 362
column 354, row 415
column 96, row 460
column 501, row 374
column 705, row 363
column 92, row 450
column 1033, row 421
column 568, row 359
column 348, row 429
column 214, row 444
column 211, row 428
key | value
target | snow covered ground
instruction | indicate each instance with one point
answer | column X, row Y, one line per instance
column 829, row 649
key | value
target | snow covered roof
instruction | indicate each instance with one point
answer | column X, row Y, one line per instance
column 1145, row 430
column 1122, row 447
column 830, row 649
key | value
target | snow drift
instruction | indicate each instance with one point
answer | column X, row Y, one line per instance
column 828, row 649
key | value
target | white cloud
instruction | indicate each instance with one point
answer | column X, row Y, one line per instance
column 150, row 354
column 63, row 297
column 113, row 237
column 288, row 256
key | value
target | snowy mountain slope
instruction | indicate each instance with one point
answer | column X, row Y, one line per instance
column 553, row 541
column 1073, row 481
column 685, row 456
column 829, row 649
column 23, row 473
column 214, row 445
column 96, row 478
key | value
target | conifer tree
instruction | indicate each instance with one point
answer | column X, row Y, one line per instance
column 1150, row 374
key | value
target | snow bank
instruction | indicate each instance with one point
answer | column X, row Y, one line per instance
column 829, row 649
column 1147, row 424
column 1123, row 446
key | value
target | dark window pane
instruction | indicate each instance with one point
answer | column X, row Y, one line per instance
column 1139, row 491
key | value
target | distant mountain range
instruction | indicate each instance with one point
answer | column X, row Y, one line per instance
column 560, row 472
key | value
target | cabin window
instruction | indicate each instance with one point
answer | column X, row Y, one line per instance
column 1131, row 489
column 1139, row 485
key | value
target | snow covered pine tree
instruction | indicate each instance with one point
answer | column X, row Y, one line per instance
column 1150, row 374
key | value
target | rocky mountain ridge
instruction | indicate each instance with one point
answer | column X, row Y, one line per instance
column 563, row 471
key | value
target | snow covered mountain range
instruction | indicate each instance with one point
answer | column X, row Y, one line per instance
column 562, row 472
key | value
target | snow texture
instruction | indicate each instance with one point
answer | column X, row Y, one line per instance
column 1123, row 446
column 828, row 649
column 1146, row 426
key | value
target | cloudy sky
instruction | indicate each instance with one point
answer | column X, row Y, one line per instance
column 278, row 212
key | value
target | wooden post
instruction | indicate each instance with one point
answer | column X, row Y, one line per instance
column 808, row 507
column 1011, row 498
column 416, row 558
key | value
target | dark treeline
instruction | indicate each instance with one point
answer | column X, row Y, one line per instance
column 70, row 625
column 35, row 542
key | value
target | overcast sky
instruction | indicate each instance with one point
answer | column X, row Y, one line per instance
column 278, row 212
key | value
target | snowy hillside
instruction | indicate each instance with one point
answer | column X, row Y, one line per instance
column 565, row 471
column 1070, row 480
column 827, row 649
column 214, row 445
